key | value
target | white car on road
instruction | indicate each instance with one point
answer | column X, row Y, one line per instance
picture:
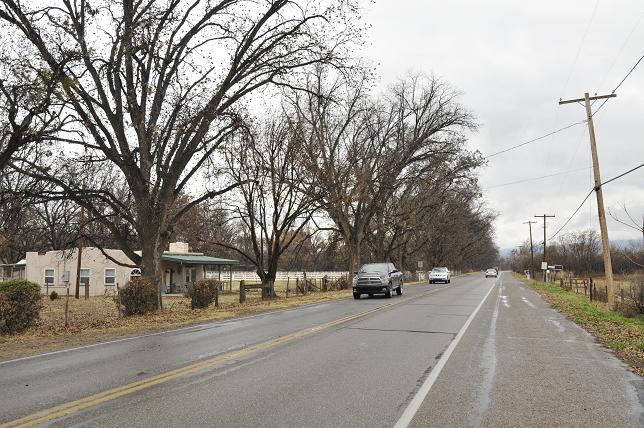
column 440, row 274
column 491, row 273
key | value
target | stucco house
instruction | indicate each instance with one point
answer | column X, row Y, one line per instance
column 54, row 270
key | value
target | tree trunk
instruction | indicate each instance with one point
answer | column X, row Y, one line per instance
column 354, row 257
column 152, row 247
column 268, row 281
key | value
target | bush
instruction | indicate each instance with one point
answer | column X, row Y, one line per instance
column 53, row 295
column 634, row 296
column 138, row 297
column 202, row 293
column 341, row 283
column 20, row 304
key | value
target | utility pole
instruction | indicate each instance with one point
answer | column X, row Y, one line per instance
column 608, row 266
column 80, row 251
column 520, row 247
column 530, row 223
column 544, row 216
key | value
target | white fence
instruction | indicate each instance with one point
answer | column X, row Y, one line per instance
column 280, row 276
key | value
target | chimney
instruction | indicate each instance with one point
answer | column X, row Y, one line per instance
column 178, row 247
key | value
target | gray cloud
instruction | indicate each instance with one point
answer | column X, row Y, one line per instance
column 513, row 61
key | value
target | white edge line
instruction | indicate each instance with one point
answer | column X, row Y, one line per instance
column 417, row 401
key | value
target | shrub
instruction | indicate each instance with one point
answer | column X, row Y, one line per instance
column 138, row 297
column 341, row 283
column 20, row 304
column 53, row 295
column 202, row 293
column 634, row 296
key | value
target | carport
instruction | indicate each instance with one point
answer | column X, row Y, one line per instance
column 190, row 268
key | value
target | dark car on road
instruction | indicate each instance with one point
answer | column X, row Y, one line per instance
column 377, row 278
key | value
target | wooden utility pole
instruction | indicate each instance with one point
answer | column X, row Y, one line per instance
column 80, row 251
column 530, row 223
column 544, row 216
column 608, row 266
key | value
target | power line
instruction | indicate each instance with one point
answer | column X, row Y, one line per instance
column 573, row 214
column 581, row 45
column 620, row 83
column 538, row 178
column 622, row 174
column 629, row 73
column 588, row 195
column 536, row 139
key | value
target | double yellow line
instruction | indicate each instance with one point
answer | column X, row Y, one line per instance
column 75, row 406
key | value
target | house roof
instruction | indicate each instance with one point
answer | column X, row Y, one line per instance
column 197, row 259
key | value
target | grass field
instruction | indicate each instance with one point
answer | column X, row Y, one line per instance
column 622, row 334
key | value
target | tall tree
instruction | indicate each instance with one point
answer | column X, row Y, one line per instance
column 272, row 203
column 361, row 150
column 29, row 110
column 157, row 86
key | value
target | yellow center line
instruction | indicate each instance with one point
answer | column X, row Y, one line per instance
column 93, row 400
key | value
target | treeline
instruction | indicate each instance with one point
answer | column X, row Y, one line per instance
column 155, row 133
column 581, row 254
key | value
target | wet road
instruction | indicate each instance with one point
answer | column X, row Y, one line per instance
column 501, row 357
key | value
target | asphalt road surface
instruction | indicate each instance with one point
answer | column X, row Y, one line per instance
column 476, row 352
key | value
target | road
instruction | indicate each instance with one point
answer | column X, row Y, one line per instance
column 477, row 352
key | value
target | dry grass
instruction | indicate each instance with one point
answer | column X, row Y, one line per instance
column 97, row 319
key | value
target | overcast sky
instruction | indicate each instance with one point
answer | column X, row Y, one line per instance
column 513, row 61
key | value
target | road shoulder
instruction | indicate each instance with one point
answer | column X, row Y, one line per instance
column 522, row 363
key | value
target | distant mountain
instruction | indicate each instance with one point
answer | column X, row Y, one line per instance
column 619, row 243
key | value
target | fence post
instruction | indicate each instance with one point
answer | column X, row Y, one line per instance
column 325, row 286
column 288, row 279
column 621, row 294
column 242, row 291
column 118, row 298
column 297, row 285
column 305, row 285
column 87, row 290
column 591, row 289
column 216, row 297
column 67, row 308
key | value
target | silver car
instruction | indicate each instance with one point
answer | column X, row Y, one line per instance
column 491, row 273
column 377, row 278
column 440, row 274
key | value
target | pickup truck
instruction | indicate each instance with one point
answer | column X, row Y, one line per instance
column 377, row 278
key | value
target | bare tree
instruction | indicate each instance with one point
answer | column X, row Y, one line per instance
column 361, row 150
column 270, row 202
column 29, row 110
column 629, row 221
column 157, row 86
column 403, row 228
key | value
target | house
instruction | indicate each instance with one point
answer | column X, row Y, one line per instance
column 55, row 270
column 12, row 270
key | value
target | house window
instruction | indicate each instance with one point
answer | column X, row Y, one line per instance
column 50, row 275
column 110, row 276
column 84, row 276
